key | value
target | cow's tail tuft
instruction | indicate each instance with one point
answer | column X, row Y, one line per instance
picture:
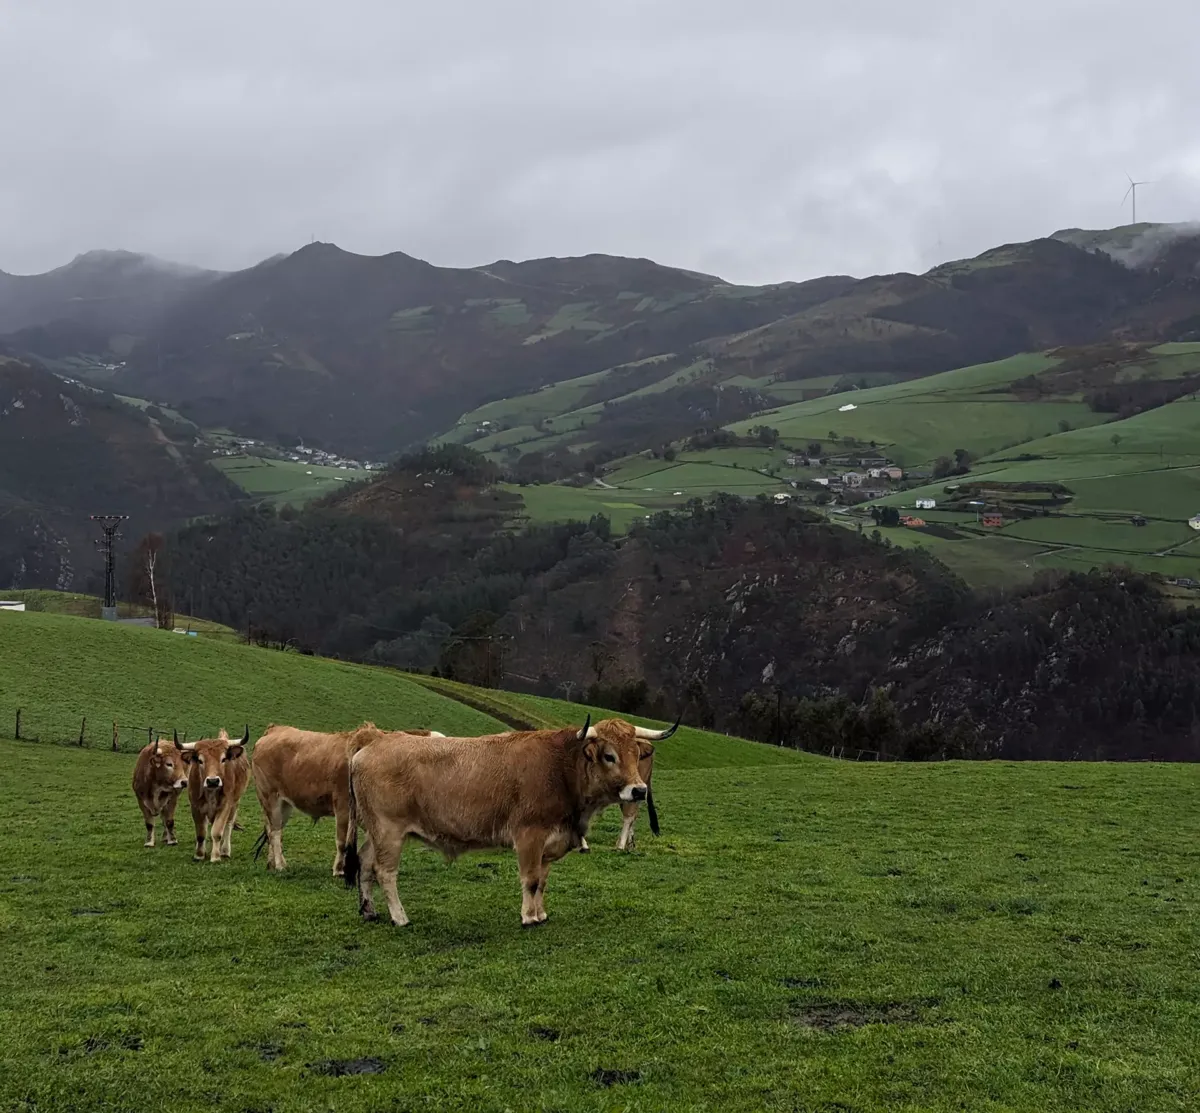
column 651, row 809
column 262, row 841
column 352, row 865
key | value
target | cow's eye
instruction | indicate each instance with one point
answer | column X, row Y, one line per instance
column 611, row 759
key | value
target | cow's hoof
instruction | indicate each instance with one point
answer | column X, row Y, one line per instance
column 401, row 923
column 172, row 842
column 339, row 873
column 147, row 844
column 584, row 848
column 369, row 916
column 531, row 923
column 197, row 857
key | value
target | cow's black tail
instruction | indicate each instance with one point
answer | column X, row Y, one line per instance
column 651, row 809
column 352, row 863
column 262, row 841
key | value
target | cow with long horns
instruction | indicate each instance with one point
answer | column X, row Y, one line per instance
column 218, row 773
column 532, row 790
column 629, row 809
column 159, row 776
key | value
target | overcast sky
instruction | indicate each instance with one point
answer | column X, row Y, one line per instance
column 757, row 139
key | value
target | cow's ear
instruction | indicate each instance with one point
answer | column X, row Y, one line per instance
column 589, row 751
column 234, row 750
column 645, row 749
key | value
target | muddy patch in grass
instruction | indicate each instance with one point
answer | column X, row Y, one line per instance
column 550, row 1035
column 601, row 1076
column 833, row 1016
column 339, row 1068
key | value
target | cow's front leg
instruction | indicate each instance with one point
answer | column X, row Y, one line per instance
column 530, row 845
column 387, row 862
column 227, row 834
column 148, row 817
column 201, row 822
column 629, row 814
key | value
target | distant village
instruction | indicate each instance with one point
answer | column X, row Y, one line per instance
column 300, row 454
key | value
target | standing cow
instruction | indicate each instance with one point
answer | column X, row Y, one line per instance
column 159, row 776
column 306, row 770
column 532, row 790
column 629, row 811
column 217, row 776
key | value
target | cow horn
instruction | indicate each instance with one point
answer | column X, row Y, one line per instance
column 156, row 745
column 657, row 735
column 584, row 731
column 246, row 736
column 176, row 735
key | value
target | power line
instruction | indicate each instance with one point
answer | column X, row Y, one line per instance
column 110, row 525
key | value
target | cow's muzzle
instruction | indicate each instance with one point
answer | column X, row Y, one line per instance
column 212, row 782
column 181, row 783
column 633, row 792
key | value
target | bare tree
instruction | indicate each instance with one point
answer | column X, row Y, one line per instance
column 150, row 586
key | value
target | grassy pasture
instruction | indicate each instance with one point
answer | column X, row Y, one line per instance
column 284, row 481
column 805, row 934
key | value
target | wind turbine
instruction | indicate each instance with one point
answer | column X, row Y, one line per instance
column 1132, row 192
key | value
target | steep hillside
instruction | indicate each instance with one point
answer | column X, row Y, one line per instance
column 68, row 451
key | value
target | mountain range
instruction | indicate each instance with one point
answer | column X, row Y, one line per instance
column 372, row 354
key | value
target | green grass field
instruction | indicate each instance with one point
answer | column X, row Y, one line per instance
column 59, row 669
column 284, row 481
column 805, row 934
column 88, row 606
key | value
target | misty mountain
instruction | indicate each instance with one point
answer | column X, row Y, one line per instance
column 373, row 353
column 112, row 291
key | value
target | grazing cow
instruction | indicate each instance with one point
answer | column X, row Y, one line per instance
column 629, row 811
column 532, row 790
column 309, row 771
column 159, row 776
column 217, row 776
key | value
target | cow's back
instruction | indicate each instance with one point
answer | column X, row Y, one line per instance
column 141, row 772
column 306, row 767
column 462, row 791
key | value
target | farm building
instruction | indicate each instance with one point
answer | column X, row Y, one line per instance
column 852, row 479
column 926, row 504
column 1138, row 520
column 6, row 605
column 911, row 522
column 993, row 521
column 1194, row 522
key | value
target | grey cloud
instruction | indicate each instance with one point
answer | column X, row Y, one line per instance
column 761, row 140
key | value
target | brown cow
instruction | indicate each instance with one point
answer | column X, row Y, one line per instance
column 307, row 770
column 629, row 812
column 217, row 776
column 532, row 790
column 159, row 775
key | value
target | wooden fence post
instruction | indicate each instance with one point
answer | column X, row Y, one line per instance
column 116, row 736
column 17, row 733
column 82, row 729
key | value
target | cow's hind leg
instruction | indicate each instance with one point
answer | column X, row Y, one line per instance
column 276, row 819
column 387, row 862
column 366, row 880
column 169, row 819
column 341, row 821
column 629, row 814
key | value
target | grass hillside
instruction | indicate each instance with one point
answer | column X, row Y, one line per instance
column 804, row 934
column 88, row 606
column 285, row 481
column 59, row 669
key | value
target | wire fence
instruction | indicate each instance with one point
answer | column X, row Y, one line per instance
column 91, row 731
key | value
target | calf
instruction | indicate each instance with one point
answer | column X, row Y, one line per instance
column 532, row 790
column 159, row 775
column 217, row 776
column 306, row 770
